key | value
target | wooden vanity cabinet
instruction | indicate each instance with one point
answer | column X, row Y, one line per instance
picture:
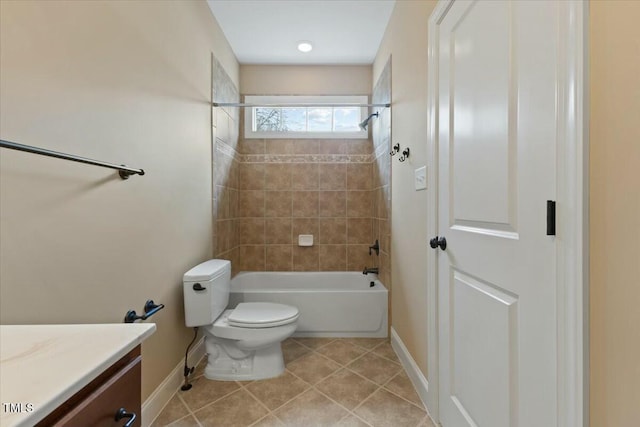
column 96, row 405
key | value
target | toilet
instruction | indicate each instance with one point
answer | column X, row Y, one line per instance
column 242, row 343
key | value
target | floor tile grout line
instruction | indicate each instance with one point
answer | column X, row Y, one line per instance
column 272, row 411
column 349, row 411
column 311, row 385
column 258, row 400
column 217, row 400
column 311, row 348
column 368, row 379
column 405, row 399
column 289, row 401
column 421, row 406
column 192, row 413
column 362, row 376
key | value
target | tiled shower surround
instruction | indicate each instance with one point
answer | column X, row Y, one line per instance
column 289, row 187
column 269, row 191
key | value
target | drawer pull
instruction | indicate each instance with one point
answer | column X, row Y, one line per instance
column 122, row 413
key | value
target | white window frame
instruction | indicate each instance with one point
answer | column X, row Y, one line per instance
column 305, row 101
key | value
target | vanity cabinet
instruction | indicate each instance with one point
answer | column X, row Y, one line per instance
column 96, row 405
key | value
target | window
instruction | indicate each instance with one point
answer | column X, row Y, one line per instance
column 305, row 117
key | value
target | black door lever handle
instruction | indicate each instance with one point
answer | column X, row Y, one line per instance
column 438, row 241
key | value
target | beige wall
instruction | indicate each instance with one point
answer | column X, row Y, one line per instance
column 127, row 82
column 405, row 40
column 305, row 80
column 615, row 213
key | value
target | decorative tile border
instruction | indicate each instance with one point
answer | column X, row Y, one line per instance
column 306, row 158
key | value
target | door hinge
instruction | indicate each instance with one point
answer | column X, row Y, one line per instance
column 551, row 218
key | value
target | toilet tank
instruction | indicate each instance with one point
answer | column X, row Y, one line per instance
column 206, row 291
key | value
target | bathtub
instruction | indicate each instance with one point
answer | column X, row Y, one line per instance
column 331, row 304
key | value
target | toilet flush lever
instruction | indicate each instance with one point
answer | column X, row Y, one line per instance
column 199, row 287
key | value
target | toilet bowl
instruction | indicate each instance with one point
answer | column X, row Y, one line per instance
column 242, row 343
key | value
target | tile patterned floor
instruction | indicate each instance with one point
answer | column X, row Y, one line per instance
column 328, row 382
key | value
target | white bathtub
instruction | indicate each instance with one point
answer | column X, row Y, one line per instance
column 331, row 304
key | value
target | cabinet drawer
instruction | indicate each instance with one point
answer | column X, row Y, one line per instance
column 96, row 405
column 98, row 409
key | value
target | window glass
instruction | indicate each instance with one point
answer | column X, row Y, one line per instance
column 346, row 119
column 320, row 119
column 316, row 117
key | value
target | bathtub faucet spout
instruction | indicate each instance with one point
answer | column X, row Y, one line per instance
column 368, row 270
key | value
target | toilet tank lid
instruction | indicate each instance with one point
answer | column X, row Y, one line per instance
column 207, row 270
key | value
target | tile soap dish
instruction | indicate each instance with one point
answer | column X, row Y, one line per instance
column 305, row 240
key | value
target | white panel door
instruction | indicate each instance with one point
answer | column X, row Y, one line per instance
column 496, row 170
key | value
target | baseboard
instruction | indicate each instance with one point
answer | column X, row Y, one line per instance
column 156, row 402
column 420, row 383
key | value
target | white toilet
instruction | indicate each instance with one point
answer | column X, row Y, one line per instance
column 242, row 343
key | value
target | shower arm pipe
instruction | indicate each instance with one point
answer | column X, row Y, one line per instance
column 241, row 104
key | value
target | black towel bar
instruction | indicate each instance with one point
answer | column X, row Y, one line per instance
column 123, row 171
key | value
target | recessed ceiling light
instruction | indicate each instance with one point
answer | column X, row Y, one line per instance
column 305, row 46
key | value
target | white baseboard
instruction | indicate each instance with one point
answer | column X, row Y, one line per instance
column 415, row 375
column 156, row 402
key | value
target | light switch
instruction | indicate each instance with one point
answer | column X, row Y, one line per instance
column 420, row 181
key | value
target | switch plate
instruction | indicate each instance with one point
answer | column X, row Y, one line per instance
column 420, row 181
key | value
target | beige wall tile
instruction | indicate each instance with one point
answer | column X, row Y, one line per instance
column 251, row 231
column 381, row 204
column 358, row 257
column 359, row 203
column 332, row 146
column 333, row 176
column 278, row 204
column 251, row 203
column 333, row 231
column 279, row 146
column 233, row 203
column 222, row 205
column 252, row 258
column 279, row 258
column 305, row 203
column 304, row 146
column 304, row 176
column 359, row 230
column 359, row 176
column 278, row 231
column 251, row 176
column 305, row 258
column 252, row 146
column 384, row 235
column 332, row 203
column 359, row 146
column 277, row 176
column 333, row 257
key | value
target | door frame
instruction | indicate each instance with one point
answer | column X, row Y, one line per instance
column 572, row 213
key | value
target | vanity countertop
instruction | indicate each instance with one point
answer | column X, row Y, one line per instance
column 41, row 366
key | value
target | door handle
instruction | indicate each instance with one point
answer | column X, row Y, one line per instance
column 438, row 241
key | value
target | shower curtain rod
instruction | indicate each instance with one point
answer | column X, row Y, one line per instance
column 241, row 104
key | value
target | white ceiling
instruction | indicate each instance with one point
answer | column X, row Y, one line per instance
column 268, row 31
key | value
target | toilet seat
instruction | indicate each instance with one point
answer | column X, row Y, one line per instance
column 262, row 315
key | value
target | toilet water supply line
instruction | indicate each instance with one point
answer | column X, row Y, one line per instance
column 187, row 370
